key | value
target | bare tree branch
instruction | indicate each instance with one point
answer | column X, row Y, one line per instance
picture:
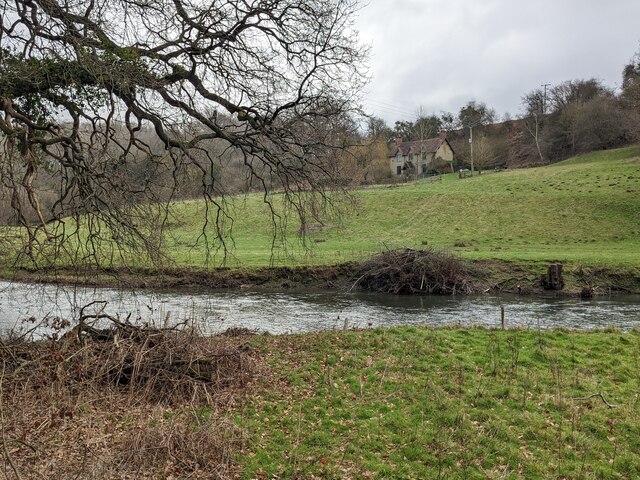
column 111, row 100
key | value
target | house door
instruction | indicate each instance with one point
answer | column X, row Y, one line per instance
column 398, row 170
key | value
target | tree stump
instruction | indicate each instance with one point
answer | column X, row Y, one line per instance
column 553, row 279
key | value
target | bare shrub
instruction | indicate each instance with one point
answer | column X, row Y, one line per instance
column 125, row 401
column 190, row 443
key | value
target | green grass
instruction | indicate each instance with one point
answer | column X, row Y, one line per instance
column 414, row 402
column 584, row 210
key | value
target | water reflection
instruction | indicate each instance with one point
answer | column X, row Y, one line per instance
column 299, row 312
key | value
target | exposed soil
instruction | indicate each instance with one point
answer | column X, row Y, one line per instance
column 409, row 269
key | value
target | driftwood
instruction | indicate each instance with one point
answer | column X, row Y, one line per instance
column 412, row 271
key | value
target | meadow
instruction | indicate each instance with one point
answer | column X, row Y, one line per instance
column 585, row 210
column 412, row 402
column 399, row 403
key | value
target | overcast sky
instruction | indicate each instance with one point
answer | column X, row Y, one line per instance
column 439, row 54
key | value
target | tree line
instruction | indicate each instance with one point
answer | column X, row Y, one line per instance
column 556, row 122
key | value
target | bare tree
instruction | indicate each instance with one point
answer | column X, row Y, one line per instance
column 534, row 106
column 91, row 89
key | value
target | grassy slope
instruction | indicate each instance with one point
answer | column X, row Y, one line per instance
column 583, row 210
column 435, row 403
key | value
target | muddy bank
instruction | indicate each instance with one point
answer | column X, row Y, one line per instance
column 258, row 279
column 398, row 274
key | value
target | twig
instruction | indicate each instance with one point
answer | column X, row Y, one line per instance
column 598, row 394
column 297, row 444
column 4, row 439
column 386, row 366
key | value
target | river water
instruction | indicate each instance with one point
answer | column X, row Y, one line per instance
column 302, row 312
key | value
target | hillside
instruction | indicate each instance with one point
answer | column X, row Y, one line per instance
column 583, row 210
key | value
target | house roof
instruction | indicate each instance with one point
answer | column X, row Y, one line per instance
column 431, row 145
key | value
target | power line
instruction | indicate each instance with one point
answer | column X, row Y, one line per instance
column 390, row 105
column 382, row 111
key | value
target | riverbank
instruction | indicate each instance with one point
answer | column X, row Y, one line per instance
column 405, row 402
column 121, row 402
column 484, row 276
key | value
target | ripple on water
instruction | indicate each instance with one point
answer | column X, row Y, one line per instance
column 300, row 312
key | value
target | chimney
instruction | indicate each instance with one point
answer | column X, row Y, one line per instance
column 398, row 141
column 443, row 135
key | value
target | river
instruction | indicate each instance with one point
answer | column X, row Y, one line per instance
column 291, row 312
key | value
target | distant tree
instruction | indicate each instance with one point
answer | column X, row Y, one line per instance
column 601, row 123
column 631, row 84
column 427, row 126
column 575, row 92
column 367, row 163
column 378, row 128
column 483, row 152
column 476, row 114
column 448, row 121
column 404, row 129
column 534, row 104
column 579, row 127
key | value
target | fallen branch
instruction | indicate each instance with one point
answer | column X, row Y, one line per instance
column 598, row 394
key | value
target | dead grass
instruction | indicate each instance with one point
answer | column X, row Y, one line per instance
column 121, row 402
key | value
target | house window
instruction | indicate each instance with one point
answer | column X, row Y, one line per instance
column 411, row 157
column 398, row 170
column 424, row 156
column 399, row 157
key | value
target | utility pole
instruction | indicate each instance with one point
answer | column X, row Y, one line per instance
column 475, row 124
column 471, row 144
column 544, row 98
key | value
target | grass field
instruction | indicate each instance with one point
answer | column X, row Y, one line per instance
column 583, row 210
column 435, row 403
column 398, row 403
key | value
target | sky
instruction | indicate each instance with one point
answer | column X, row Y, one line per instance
column 439, row 54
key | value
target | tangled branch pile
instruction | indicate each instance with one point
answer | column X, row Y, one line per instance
column 412, row 271
column 122, row 402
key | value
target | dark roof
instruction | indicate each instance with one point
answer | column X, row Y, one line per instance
column 431, row 145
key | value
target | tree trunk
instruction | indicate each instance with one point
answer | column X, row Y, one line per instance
column 553, row 279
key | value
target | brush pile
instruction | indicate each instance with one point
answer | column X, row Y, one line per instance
column 124, row 401
column 412, row 271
